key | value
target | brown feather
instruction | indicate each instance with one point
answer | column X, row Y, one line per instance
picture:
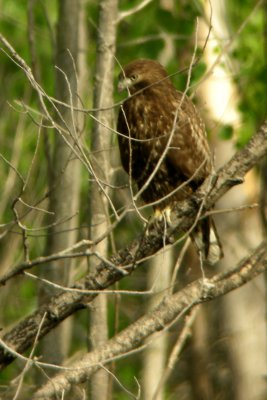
column 157, row 119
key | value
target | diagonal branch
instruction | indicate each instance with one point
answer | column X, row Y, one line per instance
column 167, row 312
column 22, row 335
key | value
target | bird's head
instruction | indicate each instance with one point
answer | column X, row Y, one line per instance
column 140, row 74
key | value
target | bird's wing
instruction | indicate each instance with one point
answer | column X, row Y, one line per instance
column 189, row 150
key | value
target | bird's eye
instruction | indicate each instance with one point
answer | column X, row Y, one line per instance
column 133, row 77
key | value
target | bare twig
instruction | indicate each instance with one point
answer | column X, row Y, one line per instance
column 177, row 348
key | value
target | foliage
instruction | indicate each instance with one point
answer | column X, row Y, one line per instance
column 249, row 55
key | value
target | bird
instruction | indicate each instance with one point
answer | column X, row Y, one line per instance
column 163, row 146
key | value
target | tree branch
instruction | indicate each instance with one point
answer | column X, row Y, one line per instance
column 167, row 312
column 22, row 335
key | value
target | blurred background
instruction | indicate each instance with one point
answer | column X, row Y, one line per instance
column 61, row 182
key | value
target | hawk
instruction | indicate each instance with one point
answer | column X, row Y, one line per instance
column 163, row 145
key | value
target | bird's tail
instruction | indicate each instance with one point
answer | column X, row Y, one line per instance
column 207, row 241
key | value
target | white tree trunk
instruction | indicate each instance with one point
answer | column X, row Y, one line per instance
column 159, row 277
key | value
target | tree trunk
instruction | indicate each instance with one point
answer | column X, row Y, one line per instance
column 65, row 179
column 101, row 141
column 159, row 277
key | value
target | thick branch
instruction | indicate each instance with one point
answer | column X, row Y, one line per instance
column 163, row 315
column 22, row 336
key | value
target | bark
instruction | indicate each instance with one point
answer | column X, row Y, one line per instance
column 101, row 142
column 22, row 335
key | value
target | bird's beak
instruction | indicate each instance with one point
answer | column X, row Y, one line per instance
column 124, row 83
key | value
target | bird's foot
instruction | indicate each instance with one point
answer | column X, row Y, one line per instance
column 163, row 216
column 160, row 222
column 235, row 181
column 207, row 286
